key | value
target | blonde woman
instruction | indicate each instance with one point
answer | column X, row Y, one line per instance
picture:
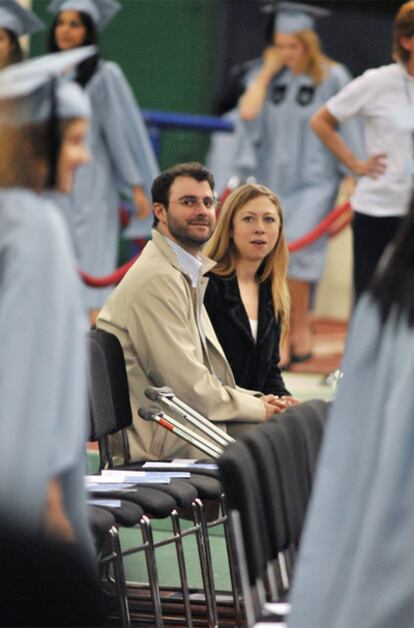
column 278, row 148
column 247, row 298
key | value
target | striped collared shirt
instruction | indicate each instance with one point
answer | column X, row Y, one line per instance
column 189, row 264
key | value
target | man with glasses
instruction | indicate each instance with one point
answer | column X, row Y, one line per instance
column 158, row 315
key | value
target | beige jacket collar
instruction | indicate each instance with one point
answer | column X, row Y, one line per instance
column 161, row 244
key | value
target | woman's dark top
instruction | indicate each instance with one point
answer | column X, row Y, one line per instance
column 254, row 364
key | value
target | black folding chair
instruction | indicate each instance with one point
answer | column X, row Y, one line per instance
column 108, row 549
column 111, row 414
column 267, row 476
column 243, row 496
column 274, row 507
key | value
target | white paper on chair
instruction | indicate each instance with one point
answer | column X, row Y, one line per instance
column 192, row 462
column 136, row 477
column 108, row 488
column 166, row 465
column 104, row 479
column 180, row 463
column 110, row 503
column 170, row 474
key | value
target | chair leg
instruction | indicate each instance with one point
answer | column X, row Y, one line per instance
column 205, row 563
column 271, row 583
column 239, row 558
column 119, row 574
column 283, row 571
column 152, row 570
column 234, row 576
column 182, row 568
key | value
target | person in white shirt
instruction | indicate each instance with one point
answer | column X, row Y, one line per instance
column 379, row 96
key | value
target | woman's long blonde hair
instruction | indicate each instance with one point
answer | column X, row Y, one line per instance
column 222, row 250
column 317, row 63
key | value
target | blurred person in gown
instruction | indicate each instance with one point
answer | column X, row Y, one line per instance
column 278, row 148
column 15, row 21
column 356, row 557
column 43, row 124
column 122, row 159
column 385, row 185
column 223, row 145
column 247, row 298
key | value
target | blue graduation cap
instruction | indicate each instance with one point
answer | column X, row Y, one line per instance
column 101, row 11
column 17, row 19
column 292, row 17
column 38, row 89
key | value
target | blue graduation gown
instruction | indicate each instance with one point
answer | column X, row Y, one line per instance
column 223, row 146
column 356, row 561
column 280, row 150
column 42, row 364
column 121, row 157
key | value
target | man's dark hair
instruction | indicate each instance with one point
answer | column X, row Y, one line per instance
column 160, row 190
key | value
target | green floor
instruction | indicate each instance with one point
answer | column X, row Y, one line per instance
column 303, row 387
column 166, row 559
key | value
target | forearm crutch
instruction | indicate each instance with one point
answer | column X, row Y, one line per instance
column 166, row 396
column 154, row 413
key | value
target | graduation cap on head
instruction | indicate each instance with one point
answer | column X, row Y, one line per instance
column 39, row 89
column 292, row 17
column 17, row 19
column 101, row 11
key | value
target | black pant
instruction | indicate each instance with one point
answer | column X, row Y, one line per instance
column 371, row 234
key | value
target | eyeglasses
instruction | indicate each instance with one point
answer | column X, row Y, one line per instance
column 191, row 202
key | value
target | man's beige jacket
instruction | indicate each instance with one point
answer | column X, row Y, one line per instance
column 168, row 340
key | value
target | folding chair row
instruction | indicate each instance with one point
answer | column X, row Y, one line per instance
column 105, row 535
column 111, row 414
column 267, row 477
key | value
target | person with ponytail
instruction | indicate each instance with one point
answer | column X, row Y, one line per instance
column 122, row 158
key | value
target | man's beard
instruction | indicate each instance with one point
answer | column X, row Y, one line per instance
column 182, row 234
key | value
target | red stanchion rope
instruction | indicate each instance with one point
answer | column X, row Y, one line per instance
column 325, row 226
column 108, row 280
column 330, row 225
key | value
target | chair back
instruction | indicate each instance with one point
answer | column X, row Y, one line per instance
column 312, row 419
column 270, row 485
column 110, row 410
column 240, row 482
